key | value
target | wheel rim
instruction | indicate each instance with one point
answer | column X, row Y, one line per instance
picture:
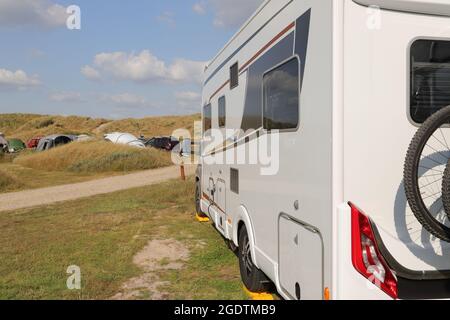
column 247, row 257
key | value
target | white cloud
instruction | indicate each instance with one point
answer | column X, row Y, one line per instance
column 188, row 95
column 143, row 67
column 41, row 13
column 190, row 100
column 90, row 73
column 229, row 13
column 126, row 100
column 200, row 7
column 69, row 97
column 167, row 17
column 18, row 79
column 183, row 70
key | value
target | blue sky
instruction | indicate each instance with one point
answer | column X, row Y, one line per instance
column 130, row 59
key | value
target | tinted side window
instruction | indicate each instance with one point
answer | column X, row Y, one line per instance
column 207, row 118
column 222, row 112
column 430, row 78
column 281, row 97
column 234, row 75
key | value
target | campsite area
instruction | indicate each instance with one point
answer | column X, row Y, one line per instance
column 138, row 243
column 84, row 160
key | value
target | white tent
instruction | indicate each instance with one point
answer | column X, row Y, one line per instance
column 124, row 138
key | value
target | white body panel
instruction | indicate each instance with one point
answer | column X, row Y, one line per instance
column 350, row 145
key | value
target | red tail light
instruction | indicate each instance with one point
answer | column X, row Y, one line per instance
column 366, row 256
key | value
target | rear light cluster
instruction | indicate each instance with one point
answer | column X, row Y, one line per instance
column 366, row 256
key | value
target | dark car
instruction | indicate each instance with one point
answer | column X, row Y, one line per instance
column 162, row 143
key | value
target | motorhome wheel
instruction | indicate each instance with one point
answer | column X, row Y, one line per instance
column 426, row 185
column 198, row 198
column 253, row 278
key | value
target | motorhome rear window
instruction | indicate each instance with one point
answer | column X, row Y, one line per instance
column 207, row 118
column 222, row 112
column 281, row 97
column 430, row 78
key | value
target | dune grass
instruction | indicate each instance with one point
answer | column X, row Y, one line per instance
column 27, row 126
column 95, row 157
column 152, row 126
column 101, row 235
column 8, row 182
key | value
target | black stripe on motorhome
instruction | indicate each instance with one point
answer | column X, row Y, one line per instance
column 227, row 60
column 283, row 50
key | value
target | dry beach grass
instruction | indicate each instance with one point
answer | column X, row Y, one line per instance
column 26, row 126
column 107, row 237
column 95, row 157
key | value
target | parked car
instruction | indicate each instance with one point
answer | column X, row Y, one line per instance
column 162, row 143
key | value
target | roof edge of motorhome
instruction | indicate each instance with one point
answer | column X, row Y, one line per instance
column 244, row 26
column 434, row 7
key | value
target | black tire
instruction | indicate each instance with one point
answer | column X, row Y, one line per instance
column 446, row 190
column 253, row 278
column 411, row 175
column 198, row 196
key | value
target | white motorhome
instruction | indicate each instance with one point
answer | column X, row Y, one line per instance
column 355, row 207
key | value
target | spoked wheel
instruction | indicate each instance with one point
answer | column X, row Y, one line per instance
column 254, row 279
column 427, row 174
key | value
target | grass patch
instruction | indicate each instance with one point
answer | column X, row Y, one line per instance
column 8, row 182
column 95, row 157
column 101, row 235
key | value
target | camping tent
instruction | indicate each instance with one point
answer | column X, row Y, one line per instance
column 16, row 145
column 33, row 142
column 124, row 138
column 55, row 140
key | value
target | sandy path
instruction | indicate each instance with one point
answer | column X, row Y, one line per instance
column 45, row 196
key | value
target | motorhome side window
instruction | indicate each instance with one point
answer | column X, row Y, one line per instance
column 430, row 78
column 207, row 118
column 281, row 97
column 222, row 112
column 234, row 76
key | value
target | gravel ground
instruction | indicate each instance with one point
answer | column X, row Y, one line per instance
column 45, row 196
